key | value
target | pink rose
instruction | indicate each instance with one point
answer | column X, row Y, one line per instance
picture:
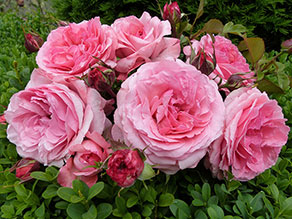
column 254, row 134
column 125, row 166
column 45, row 119
column 172, row 110
column 229, row 60
column 69, row 50
column 143, row 40
column 91, row 151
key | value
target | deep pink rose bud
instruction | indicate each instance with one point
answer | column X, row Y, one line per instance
column 24, row 167
column 204, row 62
column 33, row 42
column 125, row 166
column 287, row 45
column 2, row 119
column 171, row 12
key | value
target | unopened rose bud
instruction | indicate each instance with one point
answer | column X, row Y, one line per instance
column 204, row 63
column 2, row 119
column 25, row 167
column 33, row 42
column 171, row 12
column 63, row 23
column 125, row 166
column 287, row 45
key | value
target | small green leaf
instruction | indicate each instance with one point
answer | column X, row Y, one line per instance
column 165, row 200
column 50, row 192
column 40, row 211
column 255, row 48
column 66, row 193
column 237, row 29
column 104, row 210
column 180, row 208
column 21, row 191
column 40, row 176
column 213, row 26
column 75, row 211
column 275, row 191
column 91, row 213
column 256, row 203
column 127, row 216
column 146, row 211
column 132, row 201
column 121, row 204
column 269, row 87
column 201, row 214
column 80, row 187
column 286, row 209
column 215, row 212
column 197, row 202
column 206, row 192
column 95, row 190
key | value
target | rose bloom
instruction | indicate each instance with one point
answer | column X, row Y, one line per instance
column 125, row 166
column 254, row 134
column 143, row 40
column 172, row 110
column 228, row 58
column 69, row 50
column 92, row 150
column 45, row 119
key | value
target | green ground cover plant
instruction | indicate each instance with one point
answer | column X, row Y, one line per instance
column 191, row 193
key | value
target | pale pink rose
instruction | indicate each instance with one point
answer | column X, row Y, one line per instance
column 69, row 50
column 143, row 40
column 46, row 118
column 172, row 110
column 254, row 134
column 91, row 151
column 229, row 60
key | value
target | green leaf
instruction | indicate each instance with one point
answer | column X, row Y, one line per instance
column 95, row 190
column 104, row 210
column 286, row 209
column 237, row 29
column 215, row 212
column 255, row 48
column 180, row 209
column 242, row 208
column 91, row 213
column 127, row 216
column 269, row 87
column 201, row 214
column 197, row 202
column 132, row 201
column 206, row 192
column 80, row 187
column 50, row 192
column 75, row 211
column 52, row 173
column 40, row 211
column 148, row 195
column 61, row 205
column 147, row 211
column 165, row 200
column 256, row 203
column 283, row 80
column 21, row 191
column 268, row 205
column 121, row 204
column 136, row 215
column 40, row 176
column 213, row 26
column 213, row 200
column 274, row 191
column 66, row 193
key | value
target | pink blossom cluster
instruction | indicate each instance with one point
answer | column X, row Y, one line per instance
column 166, row 108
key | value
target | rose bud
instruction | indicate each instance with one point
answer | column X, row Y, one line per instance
column 204, row 62
column 171, row 12
column 2, row 119
column 24, row 167
column 33, row 42
column 102, row 79
column 287, row 45
column 125, row 166
column 63, row 23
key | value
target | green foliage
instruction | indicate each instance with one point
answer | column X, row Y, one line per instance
column 267, row 19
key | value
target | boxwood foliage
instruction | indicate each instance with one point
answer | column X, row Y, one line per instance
column 191, row 193
column 268, row 19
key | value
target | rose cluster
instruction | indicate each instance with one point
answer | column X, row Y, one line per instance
column 168, row 108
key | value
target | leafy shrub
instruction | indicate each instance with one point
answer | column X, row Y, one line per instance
column 267, row 19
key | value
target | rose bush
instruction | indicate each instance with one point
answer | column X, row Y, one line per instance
column 92, row 150
column 143, row 40
column 69, row 51
column 125, row 166
column 46, row 118
column 229, row 60
column 254, row 134
column 172, row 110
